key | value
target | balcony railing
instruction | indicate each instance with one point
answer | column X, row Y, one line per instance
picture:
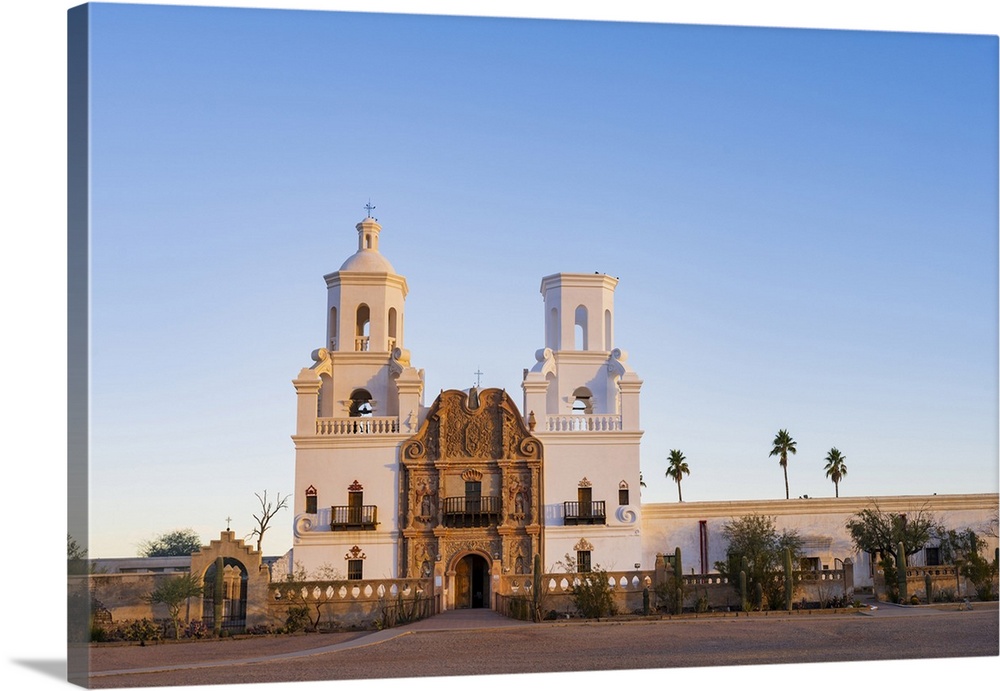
column 584, row 513
column 471, row 512
column 342, row 426
column 353, row 517
column 583, row 423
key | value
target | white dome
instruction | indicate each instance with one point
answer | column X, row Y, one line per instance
column 368, row 261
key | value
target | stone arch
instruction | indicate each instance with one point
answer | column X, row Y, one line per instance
column 470, row 571
column 235, row 581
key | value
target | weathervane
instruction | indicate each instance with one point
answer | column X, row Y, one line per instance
column 369, row 207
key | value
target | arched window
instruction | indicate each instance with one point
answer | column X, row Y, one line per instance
column 333, row 328
column 583, row 401
column 552, row 329
column 392, row 328
column 361, row 404
column 580, row 330
column 324, row 402
column 363, row 325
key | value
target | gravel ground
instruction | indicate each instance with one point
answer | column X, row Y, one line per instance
column 105, row 657
column 558, row 647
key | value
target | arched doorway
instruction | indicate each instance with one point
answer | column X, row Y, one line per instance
column 472, row 582
column 234, row 595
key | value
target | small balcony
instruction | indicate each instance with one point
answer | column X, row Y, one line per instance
column 471, row 512
column 353, row 517
column 584, row 513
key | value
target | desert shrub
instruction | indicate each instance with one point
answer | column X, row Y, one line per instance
column 944, row 595
column 297, row 619
column 591, row 594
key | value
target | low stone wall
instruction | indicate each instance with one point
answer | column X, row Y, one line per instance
column 122, row 595
column 353, row 604
column 946, row 582
column 627, row 590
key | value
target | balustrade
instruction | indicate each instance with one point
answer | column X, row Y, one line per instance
column 340, row 426
column 583, row 423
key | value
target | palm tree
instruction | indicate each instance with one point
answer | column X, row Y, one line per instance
column 836, row 469
column 678, row 469
column 783, row 445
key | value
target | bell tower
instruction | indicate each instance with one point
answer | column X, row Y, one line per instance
column 365, row 299
column 582, row 401
column 357, row 402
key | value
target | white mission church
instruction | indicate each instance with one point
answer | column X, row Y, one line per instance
column 473, row 485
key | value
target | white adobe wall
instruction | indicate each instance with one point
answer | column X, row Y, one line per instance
column 331, row 469
column 819, row 521
column 605, row 460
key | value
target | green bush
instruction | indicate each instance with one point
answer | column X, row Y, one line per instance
column 591, row 594
column 297, row 619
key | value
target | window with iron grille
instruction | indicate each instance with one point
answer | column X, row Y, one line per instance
column 583, row 561
column 354, row 569
column 310, row 500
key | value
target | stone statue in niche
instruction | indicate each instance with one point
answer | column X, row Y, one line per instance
column 424, row 495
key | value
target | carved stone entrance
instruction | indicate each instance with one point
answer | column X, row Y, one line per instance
column 472, row 582
column 471, row 495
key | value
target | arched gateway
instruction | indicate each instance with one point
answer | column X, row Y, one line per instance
column 471, row 490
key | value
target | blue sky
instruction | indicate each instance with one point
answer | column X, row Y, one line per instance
column 862, row 175
column 804, row 223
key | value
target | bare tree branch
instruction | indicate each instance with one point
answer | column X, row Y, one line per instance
column 267, row 512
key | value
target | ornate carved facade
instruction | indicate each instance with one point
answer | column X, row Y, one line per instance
column 471, row 484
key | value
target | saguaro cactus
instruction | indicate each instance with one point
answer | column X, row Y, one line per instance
column 536, row 589
column 645, row 602
column 743, row 590
column 927, row 587
column 218, row 593
column 789, row 580
column 759, row 594
column 678, row 582
column 901, row 571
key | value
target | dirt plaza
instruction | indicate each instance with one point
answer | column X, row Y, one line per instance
column 481, row 642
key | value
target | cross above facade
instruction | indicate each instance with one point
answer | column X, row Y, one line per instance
column 369, row 207
column 478, row 377
column 228, row 520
